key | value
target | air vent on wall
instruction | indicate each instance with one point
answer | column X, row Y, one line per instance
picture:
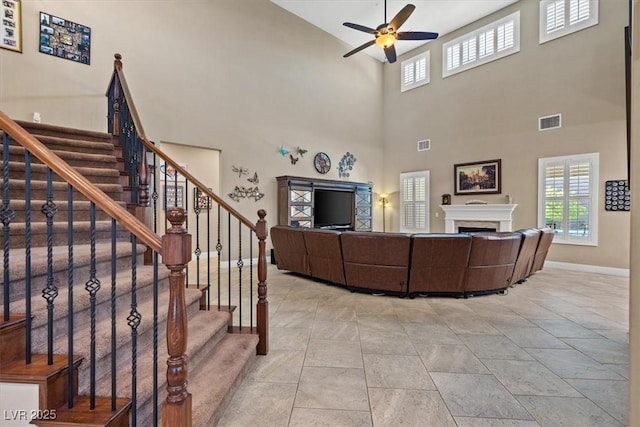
column 424, row 145
column 550, row 122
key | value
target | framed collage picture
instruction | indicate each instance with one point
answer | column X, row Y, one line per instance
column 11, row 25
column 64, row 39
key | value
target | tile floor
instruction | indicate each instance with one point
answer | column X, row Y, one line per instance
column 552, row 352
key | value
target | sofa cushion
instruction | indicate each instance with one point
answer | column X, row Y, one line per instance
column 289, row 248
column 376, row 261
column 543, row 248
column 438, row 263
column 526, row 254
column 325, row 254
column 491, row 261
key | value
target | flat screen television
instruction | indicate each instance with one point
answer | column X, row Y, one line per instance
column 332, row 208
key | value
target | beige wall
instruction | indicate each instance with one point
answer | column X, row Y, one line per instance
column 492, row 112
column 243, row 77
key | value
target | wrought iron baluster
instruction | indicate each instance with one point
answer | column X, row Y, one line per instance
column 229, row 258
column 27, row 254
column 113, row 315
column 70, row 265
column 92, row 286
column 208, row 253
column 133, row 320
column 197, row 251
column 251, row 280
column 240, row 264
column 154, row 194
column 50, row 292
column 156, row 292
column 7, row 215
column 185, row 200
column 219, row 250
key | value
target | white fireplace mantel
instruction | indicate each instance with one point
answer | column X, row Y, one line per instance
column 500, row 213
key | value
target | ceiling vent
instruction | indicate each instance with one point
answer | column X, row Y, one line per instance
column 550, row 122
column 424, row 145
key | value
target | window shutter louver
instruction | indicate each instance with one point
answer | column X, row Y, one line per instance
column 569, row 198
column 562, row 17
column 489, row 43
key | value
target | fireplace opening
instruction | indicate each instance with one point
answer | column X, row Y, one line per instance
column 471, row 230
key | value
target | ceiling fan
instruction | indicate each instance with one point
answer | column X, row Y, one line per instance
column 386, row 34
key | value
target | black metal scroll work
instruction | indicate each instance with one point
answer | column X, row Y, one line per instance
column 219, row 251
column 50, row 292
column 121, row 124
column 6, row 215
column 27, row 253
column 113, row 316
column 133, row 320
column 70, row 352
column 240, row 264
column 93, row 286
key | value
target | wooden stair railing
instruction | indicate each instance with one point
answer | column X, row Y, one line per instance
column 175, row 249
column 124, row 122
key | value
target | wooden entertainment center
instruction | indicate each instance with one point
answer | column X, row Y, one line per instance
column 351, row 203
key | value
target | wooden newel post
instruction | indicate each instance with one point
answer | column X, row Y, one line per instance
column 262, row 308
column 143, row 178
column 176, row 253
column 117, row 65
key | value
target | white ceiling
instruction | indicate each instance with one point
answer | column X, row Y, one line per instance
column 440, row 16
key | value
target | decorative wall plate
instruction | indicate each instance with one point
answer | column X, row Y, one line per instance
column 322, row 162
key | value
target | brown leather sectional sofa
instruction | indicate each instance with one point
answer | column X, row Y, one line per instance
column 413, row 264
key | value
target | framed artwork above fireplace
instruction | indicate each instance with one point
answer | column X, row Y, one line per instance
column 484, row 177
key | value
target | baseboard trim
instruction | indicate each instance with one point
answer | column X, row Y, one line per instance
column 611, row 271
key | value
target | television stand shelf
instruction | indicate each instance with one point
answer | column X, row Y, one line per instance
column 323, row 203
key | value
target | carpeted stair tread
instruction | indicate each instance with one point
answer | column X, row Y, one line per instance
column 206, row 330
column 60, row 258
column 74, row 158
column 81, row 210
column 123, row 330
column 39, row 172
column 55, row 130
column 70, row 144
column 57, row 186
column 221, row 376
column 81, row 233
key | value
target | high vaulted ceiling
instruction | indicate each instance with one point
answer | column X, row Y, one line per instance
column 440, row 16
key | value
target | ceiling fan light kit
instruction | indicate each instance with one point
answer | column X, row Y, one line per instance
column 386, row 34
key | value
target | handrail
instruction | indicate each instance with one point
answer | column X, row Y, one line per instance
column 79, row 182
column 139, row 129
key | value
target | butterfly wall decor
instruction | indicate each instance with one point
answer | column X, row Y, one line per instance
column 255, row 179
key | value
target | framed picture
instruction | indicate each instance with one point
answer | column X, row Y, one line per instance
column 11, row 25
column 478, row 177
column 201, row 200
column 173, row 196
column 64, row 39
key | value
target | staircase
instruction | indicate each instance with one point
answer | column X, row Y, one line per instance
column 218, row 360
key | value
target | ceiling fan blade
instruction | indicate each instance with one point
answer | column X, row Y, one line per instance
column 401, row 17
column 359, row 27
column 391, row 54
column 416, row 35
column 359, row 48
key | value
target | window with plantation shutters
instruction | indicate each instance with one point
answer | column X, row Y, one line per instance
column 568, row 197
column 415, row 72
column 489, row 43
column 414, row 202
column 561, row 17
